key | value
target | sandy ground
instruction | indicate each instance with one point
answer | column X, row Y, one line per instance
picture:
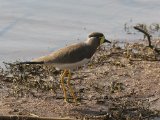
column 112, row 86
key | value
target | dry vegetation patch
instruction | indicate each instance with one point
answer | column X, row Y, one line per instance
column 122, row 81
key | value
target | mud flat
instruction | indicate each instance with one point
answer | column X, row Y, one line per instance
column 120, row 82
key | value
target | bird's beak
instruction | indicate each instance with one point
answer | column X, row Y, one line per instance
column 107, row 41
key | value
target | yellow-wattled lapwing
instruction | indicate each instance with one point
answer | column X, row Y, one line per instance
column 72, row 56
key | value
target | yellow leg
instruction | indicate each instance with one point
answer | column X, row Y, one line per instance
column 62, row 85
column 70, row 88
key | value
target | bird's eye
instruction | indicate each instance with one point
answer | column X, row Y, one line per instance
column 102, row 40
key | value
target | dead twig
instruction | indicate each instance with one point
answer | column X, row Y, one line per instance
column 148, row 37
column 146, row 33
column 20, row 117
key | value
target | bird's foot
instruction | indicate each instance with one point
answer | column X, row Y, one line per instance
column 65, row 101
column 76, row 101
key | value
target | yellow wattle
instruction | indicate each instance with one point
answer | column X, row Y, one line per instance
column 102, row 40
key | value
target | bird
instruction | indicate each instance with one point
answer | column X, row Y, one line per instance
column 71, row 57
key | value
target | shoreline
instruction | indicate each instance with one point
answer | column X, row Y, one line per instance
column 114, row 81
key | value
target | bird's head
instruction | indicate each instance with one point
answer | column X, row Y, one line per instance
column 98, row 36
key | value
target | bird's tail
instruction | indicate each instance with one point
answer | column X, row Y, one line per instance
column 30, row 62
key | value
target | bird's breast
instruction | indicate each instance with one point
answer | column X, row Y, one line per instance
column 71, row 65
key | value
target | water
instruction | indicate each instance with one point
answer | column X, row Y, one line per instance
column 31, row 28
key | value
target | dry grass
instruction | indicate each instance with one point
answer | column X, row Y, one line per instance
column 118, row 81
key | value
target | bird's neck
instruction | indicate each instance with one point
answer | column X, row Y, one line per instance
column 92, row 42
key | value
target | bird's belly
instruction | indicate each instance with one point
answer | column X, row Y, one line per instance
column 70, row 65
